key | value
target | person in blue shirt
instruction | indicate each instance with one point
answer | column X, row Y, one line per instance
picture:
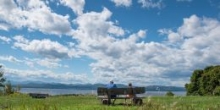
column 111, row 85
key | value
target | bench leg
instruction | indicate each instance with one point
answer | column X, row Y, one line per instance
column 125, row 101
column 109, row 101
column 137, row 101
column 113, row 101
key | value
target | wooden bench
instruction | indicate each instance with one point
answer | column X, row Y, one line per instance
column 121, row 93
column 38, row 95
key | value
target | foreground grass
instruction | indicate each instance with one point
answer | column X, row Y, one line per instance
column 184, row 103
column 89, row 102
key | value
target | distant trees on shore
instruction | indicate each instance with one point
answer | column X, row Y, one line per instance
column 5, row 87
column 205, row 82
column 2, row 79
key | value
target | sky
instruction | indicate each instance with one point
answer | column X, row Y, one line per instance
column 144, row 42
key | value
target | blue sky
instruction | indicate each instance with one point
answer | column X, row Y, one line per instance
column 145, row 42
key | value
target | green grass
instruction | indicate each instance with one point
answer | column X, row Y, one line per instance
column 184, row 103
column 89, row 102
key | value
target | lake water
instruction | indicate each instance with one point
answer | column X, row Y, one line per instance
column 76, row 91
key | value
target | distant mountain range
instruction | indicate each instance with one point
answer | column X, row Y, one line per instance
column 92, row 86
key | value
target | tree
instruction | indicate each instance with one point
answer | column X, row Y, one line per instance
column 2, row 79
column 193, row 87
column 8, row 88
column 205, row 82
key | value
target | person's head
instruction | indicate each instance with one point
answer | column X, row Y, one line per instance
column 112, row 82
column 129, row 84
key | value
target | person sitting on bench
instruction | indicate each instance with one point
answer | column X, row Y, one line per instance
column 109, row 86
column 112, row 85
column 131, row 91
column 132, row 95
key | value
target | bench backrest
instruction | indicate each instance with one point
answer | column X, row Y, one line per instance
column 120, row 91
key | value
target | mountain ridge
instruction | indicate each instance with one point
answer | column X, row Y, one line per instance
column 92, row 86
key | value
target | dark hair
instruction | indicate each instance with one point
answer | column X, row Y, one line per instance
column 129, row 84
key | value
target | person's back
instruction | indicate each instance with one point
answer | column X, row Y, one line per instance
column 131, row 91
column 112, row 85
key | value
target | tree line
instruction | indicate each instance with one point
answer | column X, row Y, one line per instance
column 5, row 86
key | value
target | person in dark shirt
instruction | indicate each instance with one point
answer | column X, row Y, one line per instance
column 131, row 94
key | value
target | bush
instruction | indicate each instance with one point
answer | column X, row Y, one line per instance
column 9, row 89
column 169, row 93
column 1, row 92
column 217, row 91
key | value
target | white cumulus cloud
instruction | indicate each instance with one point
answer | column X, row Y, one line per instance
column 5, row 39
column 45, row 76
column 126, row 3
column 10, row 59
column 45, row 47
column 151, row 4
column 33, row 14
column 76, row 5
column 131, row 59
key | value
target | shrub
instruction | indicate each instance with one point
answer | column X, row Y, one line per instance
column 169, row 93
column 9, row 89
column 217, row 91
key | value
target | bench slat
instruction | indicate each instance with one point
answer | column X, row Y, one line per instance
column 120, row 91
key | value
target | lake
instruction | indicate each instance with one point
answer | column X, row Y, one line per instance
column 78, row 91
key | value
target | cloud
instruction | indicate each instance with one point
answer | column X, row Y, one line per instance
column 4, row 26
column 76, row 5
column 33, row 14
column 125, row 3
column 35, row 62
column 45, row 47
column 5, row 39
column 45, row 62
column 10, row 59
column 198, row 37
column 123, row 57
column 92, row 34
column 126, row 58
column 151, row 4
column 45, row 76
column 129, row 59
column 49, row 63
column 173, row 37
